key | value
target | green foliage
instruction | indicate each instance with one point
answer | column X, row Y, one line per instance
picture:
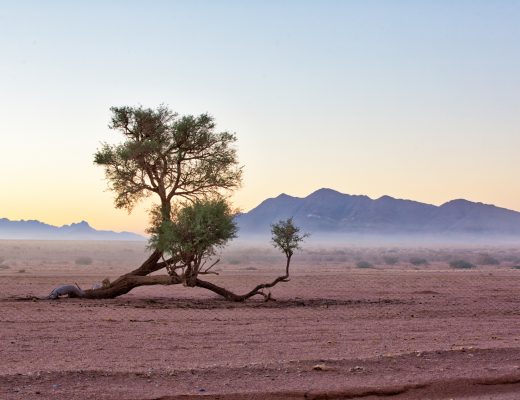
column 195, row 231
column 167, row 155
column 461, row 264
column 364, row 264
column 286, row 236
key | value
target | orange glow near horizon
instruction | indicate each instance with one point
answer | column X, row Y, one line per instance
column 374, row 100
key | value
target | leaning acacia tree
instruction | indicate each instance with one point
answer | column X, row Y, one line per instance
column 187, row 166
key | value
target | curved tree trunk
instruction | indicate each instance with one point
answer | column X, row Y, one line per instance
column 126, row 283
column 139, row 277
column 152, row 264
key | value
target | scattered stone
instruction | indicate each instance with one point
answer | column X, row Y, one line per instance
column 322, row 367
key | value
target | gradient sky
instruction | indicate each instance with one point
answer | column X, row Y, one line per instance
column 414, row 99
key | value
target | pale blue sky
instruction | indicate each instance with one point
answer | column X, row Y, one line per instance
column 415, row 99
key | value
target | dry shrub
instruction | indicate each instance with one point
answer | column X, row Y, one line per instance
column 461, row 264
column 418, row 261
column 83, row 261
column 364, row 264
column 390, row 260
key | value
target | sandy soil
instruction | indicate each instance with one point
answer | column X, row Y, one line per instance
column 333, row 333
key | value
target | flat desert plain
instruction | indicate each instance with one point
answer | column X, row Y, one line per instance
column 403, row 327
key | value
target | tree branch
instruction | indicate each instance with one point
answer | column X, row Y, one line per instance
column 229, row 295
column 127, row 282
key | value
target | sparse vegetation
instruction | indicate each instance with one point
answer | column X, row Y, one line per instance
column 4, row 267
column 461, row 264
column 84, row 260
column 418, row 261
column 364, row 264
column 390, row 260
column 486, row 259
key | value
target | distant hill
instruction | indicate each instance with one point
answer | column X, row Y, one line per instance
column 326, row 211
column 329, row 211
column 37, row 230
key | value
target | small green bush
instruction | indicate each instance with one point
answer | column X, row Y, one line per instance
column 516, row 267
column 461, row 264
column 364, row 264
column 83, row 261
column 418, row 261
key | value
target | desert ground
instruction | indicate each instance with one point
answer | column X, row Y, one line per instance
column 353, row 322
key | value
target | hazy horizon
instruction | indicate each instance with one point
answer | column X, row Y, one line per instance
column 415, row 100
column 382, row 235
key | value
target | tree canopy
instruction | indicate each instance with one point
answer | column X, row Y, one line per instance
column 286, row 236
column 193, row 234
column 168, row 155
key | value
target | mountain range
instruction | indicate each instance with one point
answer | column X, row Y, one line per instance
column 36, row 230
column 329, row 211
column 326, row 211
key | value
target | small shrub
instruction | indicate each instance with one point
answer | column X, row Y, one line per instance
column 418, row 261
column 364, row 264
column 390, row 260
column 234, row 261
column 83, row 261
column 251, row 269
column 3, row 266
column 461, row 264
column 21, row 271
column 515, row 267
column 486, row 259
